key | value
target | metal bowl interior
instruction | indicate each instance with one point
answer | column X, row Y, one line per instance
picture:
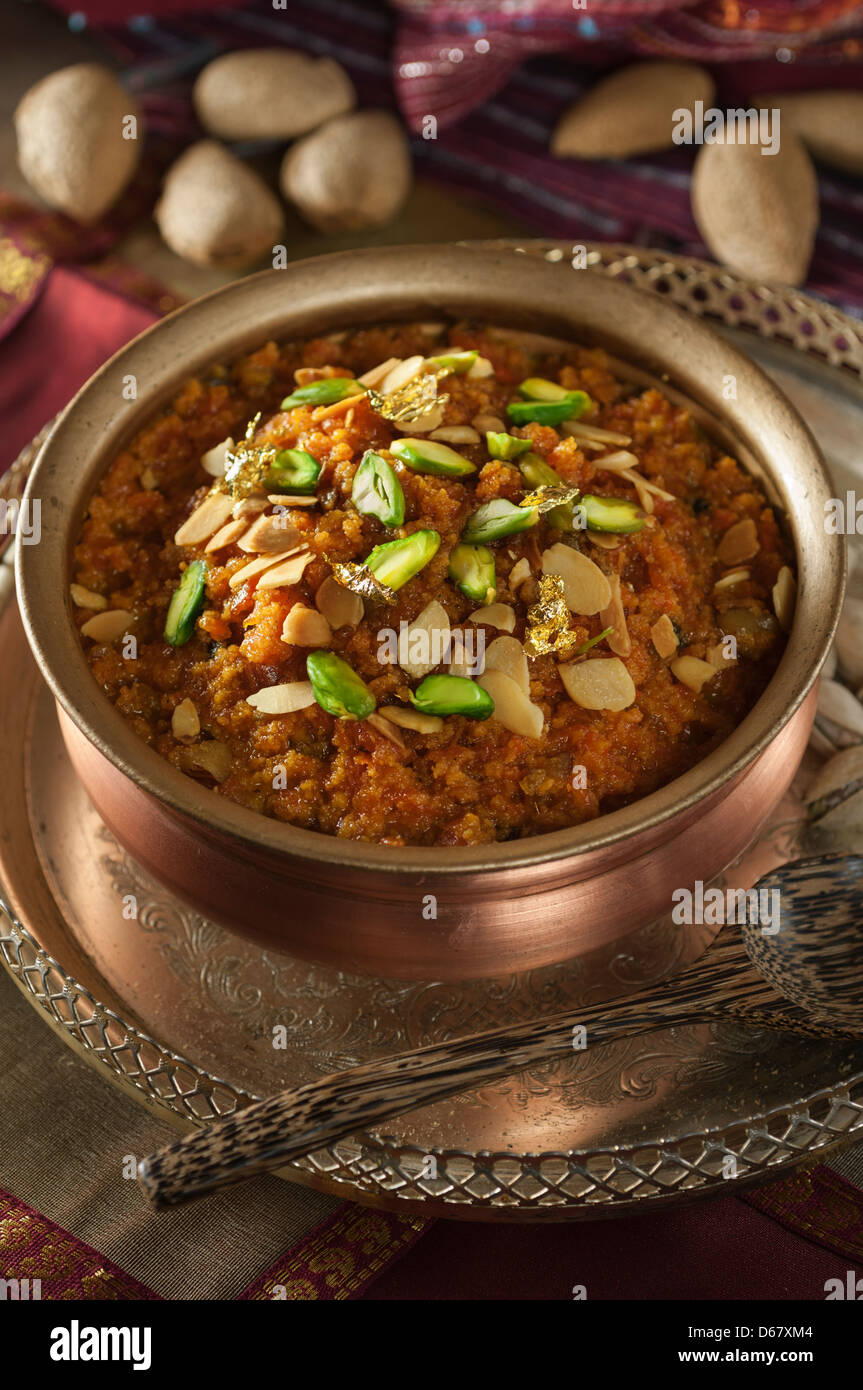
column 658, row 341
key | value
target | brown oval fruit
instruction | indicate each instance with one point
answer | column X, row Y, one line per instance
column 353, row 173
column 631, row 111
column 216, row 211
column 72, row 148
column 265, row 93
column 830, row 124
column 758, row 213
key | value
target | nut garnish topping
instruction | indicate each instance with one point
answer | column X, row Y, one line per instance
column 512, row 708
column 613, row 616
column 785, row 598
column 185, row 723
column 86, row 598
column 205, row 520
column 340, row 606
column 108, row 626
column 693, row 672
column 586, row 588
column 664, row 637
column 603, row 683
column 283, row 699
column 306, row 627
column 739, row 543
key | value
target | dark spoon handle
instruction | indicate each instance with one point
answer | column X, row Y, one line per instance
column 287, row 1126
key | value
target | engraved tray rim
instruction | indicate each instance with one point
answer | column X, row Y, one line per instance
column 374, row 1170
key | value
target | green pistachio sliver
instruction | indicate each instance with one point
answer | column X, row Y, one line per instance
column 496, row 519
column 186, row 603
column 539, row 388
column 430, row 456
column 611, row 514
column 537, row 472
column 570, row 407
column 395, row 562
column 337, row 687
column 377, row 490
column 324, row 392
column 443, row 695
column 505, row 446
column 471, row 569
column 592, row 641
column 294, row 471
column 458, row 362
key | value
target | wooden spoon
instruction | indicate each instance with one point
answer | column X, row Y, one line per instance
column 812, row 957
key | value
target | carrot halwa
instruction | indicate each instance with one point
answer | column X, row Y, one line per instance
column 415, row 585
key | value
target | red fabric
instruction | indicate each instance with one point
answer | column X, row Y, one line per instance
column 719, row 1249
column 52, row 351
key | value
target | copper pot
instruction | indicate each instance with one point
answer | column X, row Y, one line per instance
column 419, row 912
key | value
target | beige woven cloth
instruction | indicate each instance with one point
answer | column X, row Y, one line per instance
column 65, row 1134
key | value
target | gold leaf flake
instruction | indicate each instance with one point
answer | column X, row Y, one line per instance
column 548, row 627
column 247, row 465
column 545, row 499
column 360, row 580
column 411, row 401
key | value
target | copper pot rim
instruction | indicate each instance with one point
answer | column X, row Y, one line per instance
column 438, row 276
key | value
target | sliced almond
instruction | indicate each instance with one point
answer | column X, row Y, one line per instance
column 306, row 627
column 664, row 637
column 729, row 580
column 489, row 424
column 602, row 540
column 86, row 598
column 613, row 616
column 401, row 374
column 519, row 573
column 108, row 626
column 387, row 728
column 250, row 506
column 594, row 434
column 263, row 562
column 617, row 462
column 586, row 588
column 718, row 657
column 283, row 699
column 215, row 460
column 691, row 671
column 375, row 375
column 512, row 708
column 481, row 368
column 230, row 532
column 424, row 643
column 287, row 573
column 211, row 756
column 270, row 535
column 340, row 606
column 785, row 598
column 495, row 615
column 739, row 543
column 412, row 719
column 603, row 683
column 184, row 721
column 644, row 494
column 285, row 499
column 148, row 480
column 465, row 664
column 506, row 654
column 205, row 520
column 432, row 420
column 653, row 489
column 456, row 434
